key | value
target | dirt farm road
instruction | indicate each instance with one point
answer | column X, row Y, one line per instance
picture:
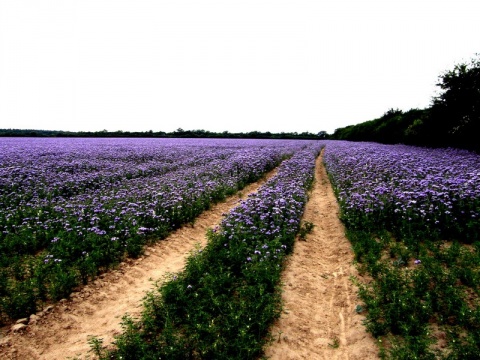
column 319, row 319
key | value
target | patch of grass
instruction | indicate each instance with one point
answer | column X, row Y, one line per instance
column 335, row 343
column 404, row 301
column 305, row 229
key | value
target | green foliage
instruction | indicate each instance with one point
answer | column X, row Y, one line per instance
column 455, row 112
column 63, row 280
column 335, row 343
column 305, row 229
column 393, row 127
column 96, row 345
column 179, row 133
column 413, row 288
column 453, row 120
column 22, row 300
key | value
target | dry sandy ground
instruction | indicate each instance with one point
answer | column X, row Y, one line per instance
column 319, row 298
column 319, row 320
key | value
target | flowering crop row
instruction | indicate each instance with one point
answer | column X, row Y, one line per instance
column 221, row 305
column 119, row 207
column 412, row 215
column 70, row 208
column 413, row 191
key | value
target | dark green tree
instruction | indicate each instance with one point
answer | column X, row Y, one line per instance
column 455, row 113
column 322, row 135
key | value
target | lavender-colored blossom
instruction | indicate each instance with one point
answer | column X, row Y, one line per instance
column 102, row 195
column 433, row 190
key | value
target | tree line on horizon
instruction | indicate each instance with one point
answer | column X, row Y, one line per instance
column 179, row 133
column 452, row 120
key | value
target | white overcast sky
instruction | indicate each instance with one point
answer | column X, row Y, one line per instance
column 138, row 65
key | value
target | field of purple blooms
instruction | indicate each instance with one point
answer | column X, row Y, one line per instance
column 413, row 190
column 413, row 218
column 71, row 208
column 222, row 305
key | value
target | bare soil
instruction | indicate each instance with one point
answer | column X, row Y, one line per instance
column 319, row 319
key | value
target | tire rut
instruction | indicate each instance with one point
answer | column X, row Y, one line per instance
column 319, row 320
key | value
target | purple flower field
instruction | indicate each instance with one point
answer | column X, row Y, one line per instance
column 99, row 186
column 412, row 190
column 70, row 208
column 412, row 217
column 223, row 303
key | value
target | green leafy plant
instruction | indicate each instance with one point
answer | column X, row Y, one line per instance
column 96, row 345
column 305, row 229
column 335, row 343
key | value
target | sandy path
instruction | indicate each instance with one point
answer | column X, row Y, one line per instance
column 99, row 307
column 319, row 298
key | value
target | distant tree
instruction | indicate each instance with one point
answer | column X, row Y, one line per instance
column 390, row 113
column 455, row 112
column 393, row 127
column 322, row 135
column 179, row 133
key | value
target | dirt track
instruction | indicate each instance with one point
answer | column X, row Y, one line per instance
column 319, row 319
column 319, row 298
